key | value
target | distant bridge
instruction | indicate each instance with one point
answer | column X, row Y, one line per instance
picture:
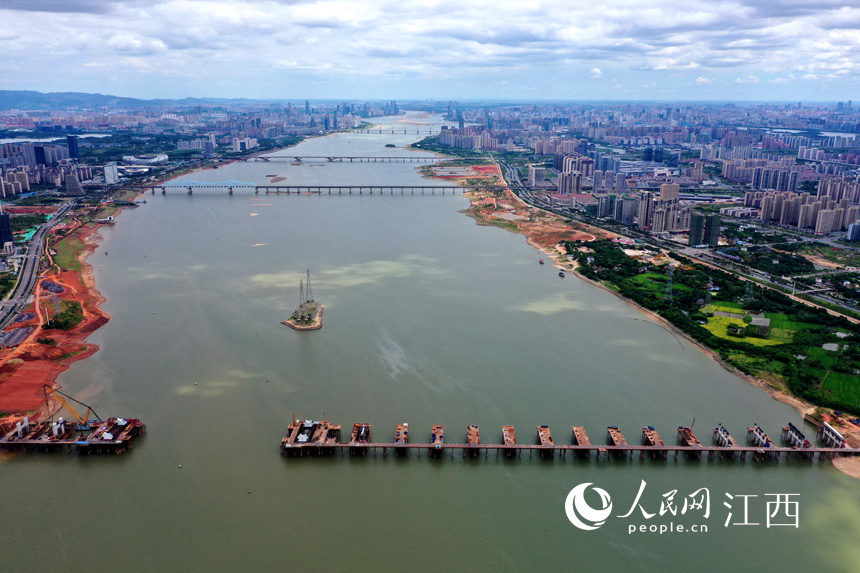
column 226, row 184
column 392, row 130
column 189, row 185
column 352, row 159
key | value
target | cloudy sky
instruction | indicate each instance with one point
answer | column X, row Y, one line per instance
column 771, row 50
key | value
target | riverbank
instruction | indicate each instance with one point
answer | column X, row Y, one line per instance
column 47, row 352
column 545, row 231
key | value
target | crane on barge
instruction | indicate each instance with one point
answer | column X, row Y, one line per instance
column 83, row 420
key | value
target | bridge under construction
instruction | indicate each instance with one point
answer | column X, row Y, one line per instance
column 310, row 437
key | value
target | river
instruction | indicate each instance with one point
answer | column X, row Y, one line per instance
column 430, row 319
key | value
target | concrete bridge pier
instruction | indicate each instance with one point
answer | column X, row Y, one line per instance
column 163, row 191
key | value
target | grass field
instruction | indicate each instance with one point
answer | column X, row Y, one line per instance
column 827, row 358
column 652, row 281
column 770, row 369
column 655, row 283
column 782, row 327
column 727, row 305
column 784, row 335
column 67, row 252
column 844, row 387
column 721, row 306
column 718, row 326
column 779, row 320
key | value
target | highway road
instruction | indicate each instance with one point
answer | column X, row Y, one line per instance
column 28, row 273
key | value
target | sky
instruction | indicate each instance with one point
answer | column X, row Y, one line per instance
column 761, row 50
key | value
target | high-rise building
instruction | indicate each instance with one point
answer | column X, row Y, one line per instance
column 111, row 173
column 307, row 107
column 72, row 141
column 646, row 210
column 628, row 210
column 6, row 229
column 824, row 221
column 22, row 178
column 606, row 205
column 697, row 229
column 712, row 230
column 39, row 151
column 669, row 191
column 73, row 186
column 570, row 182
column 536, row 175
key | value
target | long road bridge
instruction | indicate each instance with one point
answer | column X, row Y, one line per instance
column 189, row 185
column 352, row 159
column 381, row 130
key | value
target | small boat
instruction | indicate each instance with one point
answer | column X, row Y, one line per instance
column 541, row 261
column 561, row 274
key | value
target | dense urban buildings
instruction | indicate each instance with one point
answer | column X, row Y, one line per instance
column 644, row 165
column 794, row 165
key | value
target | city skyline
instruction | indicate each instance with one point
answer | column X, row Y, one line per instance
column 621, row 50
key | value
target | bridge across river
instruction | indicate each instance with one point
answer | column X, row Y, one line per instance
column 356, row 158
column 189, row 185
column 381, row 130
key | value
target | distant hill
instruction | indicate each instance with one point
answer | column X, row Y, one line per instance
column 32, row 100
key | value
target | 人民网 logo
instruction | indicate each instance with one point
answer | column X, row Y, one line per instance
column 583, row 515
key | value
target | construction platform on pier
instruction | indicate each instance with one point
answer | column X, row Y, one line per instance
column 761, row 446
column 111, row 436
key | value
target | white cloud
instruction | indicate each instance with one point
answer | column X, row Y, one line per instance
column 439, row 48
column 131, row 44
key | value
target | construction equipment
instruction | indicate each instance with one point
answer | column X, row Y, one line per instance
column 83, row 421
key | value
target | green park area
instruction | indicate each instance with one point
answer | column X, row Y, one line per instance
column 761, row 332
column 67, row 250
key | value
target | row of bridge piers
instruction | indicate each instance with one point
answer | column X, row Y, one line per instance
column 761, row 447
